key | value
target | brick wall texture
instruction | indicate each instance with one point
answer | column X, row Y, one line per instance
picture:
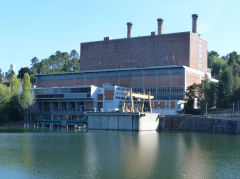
column 166, row 49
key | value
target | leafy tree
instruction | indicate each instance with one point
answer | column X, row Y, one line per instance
column 191, row 95
column 212, row 94
column 22, row 71
column 1, row 76
column 203, row 95
column 75, row 64
column 9, row 101
column 42, row 67
column 216, row 64
column 74, row 54
column 9, row 75
column 213, row 53
column 25, row 99
column 15, row 85
column 14, row 109
column 4, row 100
column 36, row 68
column 227, row 79
column 200, row 95
column 4, row 95
column 14, row 106
column 57, row 63
column 232, row 58
column 225, row 88
column 75, row 60
column 236, row 83
column 227, row 70
column 223, row 97
column 34, row 61
column 237, row 95
column 26, row 91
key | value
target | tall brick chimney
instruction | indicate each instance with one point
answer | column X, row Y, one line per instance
column 160, row 22
column 194, row 23
column 129, row 30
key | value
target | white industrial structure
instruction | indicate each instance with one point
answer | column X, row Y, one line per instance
column 12, row 68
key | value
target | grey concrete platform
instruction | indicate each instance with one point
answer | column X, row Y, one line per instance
column 123, row 121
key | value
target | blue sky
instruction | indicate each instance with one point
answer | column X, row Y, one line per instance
column 31, row 28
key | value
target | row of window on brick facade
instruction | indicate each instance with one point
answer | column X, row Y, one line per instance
column 166, row 90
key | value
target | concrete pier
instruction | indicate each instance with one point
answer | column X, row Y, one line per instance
column 132, row 121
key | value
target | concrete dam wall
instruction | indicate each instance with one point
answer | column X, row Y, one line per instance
column 199, row 123
column 135, row 121
column 152, row 122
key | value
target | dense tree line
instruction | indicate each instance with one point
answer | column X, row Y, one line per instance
column 15, row 91
column 14, row 98
column 223, row 94
column 58, row 63
column 7, row 76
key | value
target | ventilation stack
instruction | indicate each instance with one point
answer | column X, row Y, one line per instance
column 129, row 30
column 160, row 23
column 194, row 23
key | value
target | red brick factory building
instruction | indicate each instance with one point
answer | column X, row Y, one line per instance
column 164, row 64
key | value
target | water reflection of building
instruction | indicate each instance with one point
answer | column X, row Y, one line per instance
column 193, row 160
column 140, row 154
column 122, row 155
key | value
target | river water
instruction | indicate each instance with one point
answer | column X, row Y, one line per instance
column 41, row 153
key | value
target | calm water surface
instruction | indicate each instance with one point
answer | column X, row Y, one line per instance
column 42, row 153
